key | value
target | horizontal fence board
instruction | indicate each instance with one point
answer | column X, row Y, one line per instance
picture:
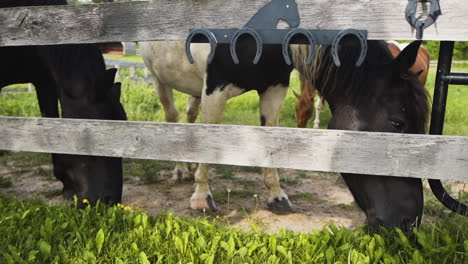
column 422, row 156
column 171, row 20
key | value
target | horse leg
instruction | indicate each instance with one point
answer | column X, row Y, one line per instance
column 167, row 100
column 193, row 106
column 212, row 109
column 270, row 106
column 318, row 109
column 48, row 104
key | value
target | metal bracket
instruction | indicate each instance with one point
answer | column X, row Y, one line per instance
column 410, row 14
column 262, row 28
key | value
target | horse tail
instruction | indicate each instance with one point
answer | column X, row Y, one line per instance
column 444, row 197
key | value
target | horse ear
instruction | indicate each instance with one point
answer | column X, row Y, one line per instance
column 312, row 96
column 407, row 57
column 110, row 75
column 297, row 95
column 115, row 91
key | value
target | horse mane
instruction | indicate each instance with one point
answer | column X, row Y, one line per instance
column 68, row 62
column 420, row 104
column 349, row 83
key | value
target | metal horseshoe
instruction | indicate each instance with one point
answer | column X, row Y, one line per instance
column 290, row 35
column 410, row 14
column 258, row 41
column 336, row 44
column 211, row 38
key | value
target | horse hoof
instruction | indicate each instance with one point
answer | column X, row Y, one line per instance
column 280, row 206
column 200, row 204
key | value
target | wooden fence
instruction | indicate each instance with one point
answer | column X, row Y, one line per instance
column 132, row 66
column 422, row 156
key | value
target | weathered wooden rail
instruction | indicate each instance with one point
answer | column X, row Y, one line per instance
column 171, row 20
column 132, row 66
column 422, row 156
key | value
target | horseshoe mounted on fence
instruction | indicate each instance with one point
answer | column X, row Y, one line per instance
column 254, row 35
column 288, row 38
column 410, row 14
column 262, row 28
column 209, row 36
column 336, row 44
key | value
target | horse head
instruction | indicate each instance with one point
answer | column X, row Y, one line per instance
column 382, row 95
column 91, row 177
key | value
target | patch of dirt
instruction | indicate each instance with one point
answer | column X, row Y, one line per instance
column 318, row 198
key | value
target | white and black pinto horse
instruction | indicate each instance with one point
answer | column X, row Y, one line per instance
column 212, row 85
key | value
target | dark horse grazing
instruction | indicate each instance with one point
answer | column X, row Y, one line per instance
column 76, row 76
column 382, row 95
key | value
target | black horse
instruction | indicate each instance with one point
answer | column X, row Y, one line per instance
column 381, row 95
column 75, row 76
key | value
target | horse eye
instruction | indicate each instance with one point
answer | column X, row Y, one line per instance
column 397, row 124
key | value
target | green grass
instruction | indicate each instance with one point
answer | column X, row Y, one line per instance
column 5, row 182
column 148, row 171
column 33, row 232
column 456, row 116
column 289, row 181
column 131, row 58
column 304, row 196
column 25, row 159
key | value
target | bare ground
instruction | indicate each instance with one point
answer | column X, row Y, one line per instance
column 319, row 198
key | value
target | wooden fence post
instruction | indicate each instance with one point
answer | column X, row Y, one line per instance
column 117, row 74
column 132, row 72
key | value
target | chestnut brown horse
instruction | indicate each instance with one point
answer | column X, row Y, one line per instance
column 305, row 103
column 421, row 66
